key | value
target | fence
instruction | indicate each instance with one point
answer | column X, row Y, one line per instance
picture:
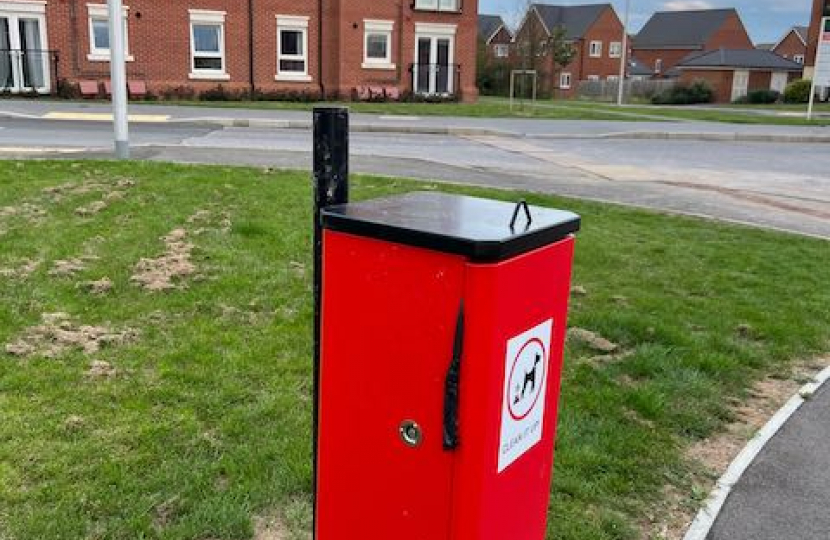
column 608, row 90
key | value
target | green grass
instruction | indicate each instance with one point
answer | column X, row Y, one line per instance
column 545, row 109
column 207, row 423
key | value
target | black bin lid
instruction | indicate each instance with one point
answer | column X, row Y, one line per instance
column 479, row 229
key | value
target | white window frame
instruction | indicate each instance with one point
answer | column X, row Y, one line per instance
column 658, row 65
column 438, row 5
column 292, row 23
column 595, row 50
column 215, row 18
column 593, row 78
column 565, row 80
column 501, row 50
column 615, row 49
column 613, row 78
column 100, row 12
column 798, row 59
column 373, row 27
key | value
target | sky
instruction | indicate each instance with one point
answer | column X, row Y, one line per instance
column 766, row 20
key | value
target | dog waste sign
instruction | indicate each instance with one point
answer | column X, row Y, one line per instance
column 525, row 385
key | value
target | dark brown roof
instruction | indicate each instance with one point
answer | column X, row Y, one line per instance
column 682, row 29
column 739, row 59
column 576, row 20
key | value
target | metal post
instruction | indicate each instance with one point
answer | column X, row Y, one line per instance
column 118, row 76
column 624, row 57
column 331, row 187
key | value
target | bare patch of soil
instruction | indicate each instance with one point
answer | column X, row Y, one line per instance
column 99, row 369
column 592, row 340
column 714, row 455
column 21, row 270
column 27, row 211
column 168, row 270
column 91, row 209
column 270, row 528
column 98, row 288
column 59, row 334
column 67, row 268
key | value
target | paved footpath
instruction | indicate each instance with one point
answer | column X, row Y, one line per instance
column 785, row 493
column 516, row 127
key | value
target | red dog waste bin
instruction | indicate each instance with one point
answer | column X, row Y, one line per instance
column 443, row 325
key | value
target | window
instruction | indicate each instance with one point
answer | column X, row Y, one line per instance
column 799, row 58
column 596, row 49
column 292, row 48
column 99, row 33
column 658, row 65
column 377, row 44
column 564, row 81
column 593, row 78
column 615, row 49
column 207, row 45
column 437, row 5
column 613, row 78
column 501, row 51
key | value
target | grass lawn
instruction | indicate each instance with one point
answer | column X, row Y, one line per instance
column 193, row 418
column 488, row 107
column 483, row 109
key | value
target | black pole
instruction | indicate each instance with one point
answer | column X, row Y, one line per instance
column 331, row 187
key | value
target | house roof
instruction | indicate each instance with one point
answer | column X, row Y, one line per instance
column 576, row 20
column 489, row 26
column 802, row 32
column 739, row 59
column 682, row 29
column 639, row 69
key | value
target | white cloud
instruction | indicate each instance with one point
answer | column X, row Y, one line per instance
column 683, row 5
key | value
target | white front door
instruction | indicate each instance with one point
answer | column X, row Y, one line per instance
column 434, row 70
column 740, row 84
column 779, row 81
column 24, row 59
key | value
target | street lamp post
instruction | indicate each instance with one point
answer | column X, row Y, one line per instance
column 624, row 56
column 118, row 76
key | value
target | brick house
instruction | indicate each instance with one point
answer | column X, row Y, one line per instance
column 330, row 47
column 494, row 36
column 671, row 36
column 793, row 45
column 594, row 31
column 733, row 73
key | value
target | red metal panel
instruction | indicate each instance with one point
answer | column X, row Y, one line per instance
column 502, row 303
column 389, row 317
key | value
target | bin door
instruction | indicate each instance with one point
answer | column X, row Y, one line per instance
column 390, row 314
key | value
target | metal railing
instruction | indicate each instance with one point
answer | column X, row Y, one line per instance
column 436, row 80
column 33, row 71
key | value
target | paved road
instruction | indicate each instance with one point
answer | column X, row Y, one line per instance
column 783, row 495
column 773, row 185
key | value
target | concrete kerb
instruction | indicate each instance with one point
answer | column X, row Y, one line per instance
column 705, row 519
column 357, row 127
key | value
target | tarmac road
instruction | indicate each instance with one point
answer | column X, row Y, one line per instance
column 777, row 185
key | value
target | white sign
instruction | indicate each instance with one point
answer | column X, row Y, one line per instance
column 822, row 73
column 526, row 367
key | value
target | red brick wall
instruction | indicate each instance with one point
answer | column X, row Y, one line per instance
column 815, row 23
column 791, row 46
column 159, row 41
column 720, row 81
column 732, row 35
